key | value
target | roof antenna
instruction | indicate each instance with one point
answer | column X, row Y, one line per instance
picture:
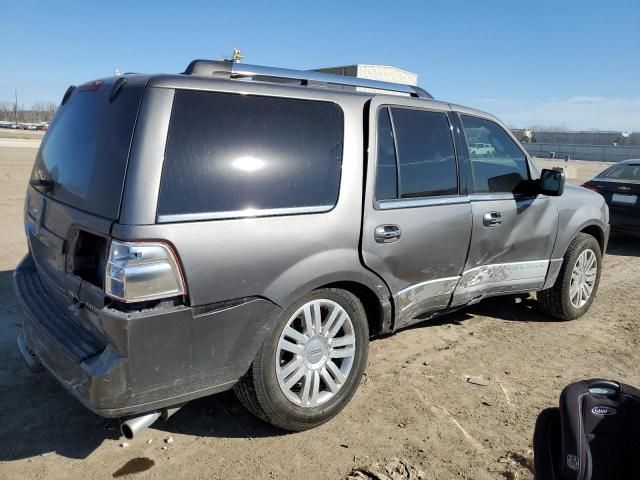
column 236, row 56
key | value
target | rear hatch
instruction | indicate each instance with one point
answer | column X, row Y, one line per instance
column 76, row 188
column 620, row 186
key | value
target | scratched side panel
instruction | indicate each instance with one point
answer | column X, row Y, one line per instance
column 497, row 279
column 423, row 297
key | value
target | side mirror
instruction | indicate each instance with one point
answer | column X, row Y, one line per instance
column 552, row 182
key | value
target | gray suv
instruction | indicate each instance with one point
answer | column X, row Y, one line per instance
column 247, row 227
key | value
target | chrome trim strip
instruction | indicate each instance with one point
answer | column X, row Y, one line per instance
column 497, row 272
column 487, row 197
column 479, row 197
column 417, row 285
column 248, row 213
column 500, row 278
column 420, row 202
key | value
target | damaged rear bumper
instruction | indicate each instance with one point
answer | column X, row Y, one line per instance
column 121, row 363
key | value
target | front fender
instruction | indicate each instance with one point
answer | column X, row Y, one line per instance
column 578, row 209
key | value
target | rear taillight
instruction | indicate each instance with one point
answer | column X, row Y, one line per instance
column 138, row 271
column 595, row 188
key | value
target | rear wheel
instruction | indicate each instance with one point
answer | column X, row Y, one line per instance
column 578, row 280
column 311, row 364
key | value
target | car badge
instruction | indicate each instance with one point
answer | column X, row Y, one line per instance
column 40, row 216
column 624, row 189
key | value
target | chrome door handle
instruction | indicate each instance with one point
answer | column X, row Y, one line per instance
column 492, row 219
column 387, row 233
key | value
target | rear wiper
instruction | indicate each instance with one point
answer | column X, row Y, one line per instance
column 41, row 182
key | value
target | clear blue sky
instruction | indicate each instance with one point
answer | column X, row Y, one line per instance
column 557, row 63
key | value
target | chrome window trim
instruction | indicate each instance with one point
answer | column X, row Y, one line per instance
column 420, row 202
column 481, row 197
column 248, row 213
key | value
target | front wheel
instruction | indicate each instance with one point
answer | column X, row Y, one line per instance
column 578, row 280
column 311, row 364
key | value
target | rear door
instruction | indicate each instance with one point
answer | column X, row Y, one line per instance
column 76, row 188
column 514, row 229
column 417, row 216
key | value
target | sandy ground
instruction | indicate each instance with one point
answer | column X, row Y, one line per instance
column 413, row 403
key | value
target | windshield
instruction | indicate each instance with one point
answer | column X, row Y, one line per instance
column 627, row 171
column 84, row 153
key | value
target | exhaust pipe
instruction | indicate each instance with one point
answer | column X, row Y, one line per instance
column 134, row 426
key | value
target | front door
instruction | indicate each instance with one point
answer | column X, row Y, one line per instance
column 417, row 215
column 514, row 229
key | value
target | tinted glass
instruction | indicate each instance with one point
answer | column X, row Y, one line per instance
column 228, row 153
column 387, row 175
column 623, row 172
column 499, row 166
column 425, row 152
column 84, row 152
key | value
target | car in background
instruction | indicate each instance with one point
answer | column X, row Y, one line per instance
column 481, row 149
column 620, row 187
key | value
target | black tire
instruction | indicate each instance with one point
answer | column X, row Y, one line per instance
column 555, row 301
column 260, row 392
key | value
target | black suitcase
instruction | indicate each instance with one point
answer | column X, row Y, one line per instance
column 594, row 435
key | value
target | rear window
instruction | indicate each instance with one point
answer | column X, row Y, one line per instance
column 235, row 154
column 85, row 150
column 627, row 171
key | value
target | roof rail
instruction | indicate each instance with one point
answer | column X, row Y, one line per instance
column 241, row 70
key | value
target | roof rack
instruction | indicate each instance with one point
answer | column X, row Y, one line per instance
column 241, row 70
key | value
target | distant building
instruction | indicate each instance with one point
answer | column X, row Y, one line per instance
column 618, row 139
column 374, row 72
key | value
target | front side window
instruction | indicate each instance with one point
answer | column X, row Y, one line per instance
column 424, row 151
column 240, row 153
column 498, row 165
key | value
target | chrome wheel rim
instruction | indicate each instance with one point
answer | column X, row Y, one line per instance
column 315, row 353
column 583, row 278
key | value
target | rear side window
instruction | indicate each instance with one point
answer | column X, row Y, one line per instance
column 240, row 153
column 499, row 166
column 425, row 154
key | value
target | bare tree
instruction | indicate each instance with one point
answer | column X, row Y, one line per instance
column 39, row 112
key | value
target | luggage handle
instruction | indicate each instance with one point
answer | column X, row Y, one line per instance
column 607, row 388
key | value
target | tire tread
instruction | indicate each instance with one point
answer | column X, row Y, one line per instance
column 552, row 300
column 250, row 390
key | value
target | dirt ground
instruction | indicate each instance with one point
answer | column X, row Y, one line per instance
column 414, row 402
